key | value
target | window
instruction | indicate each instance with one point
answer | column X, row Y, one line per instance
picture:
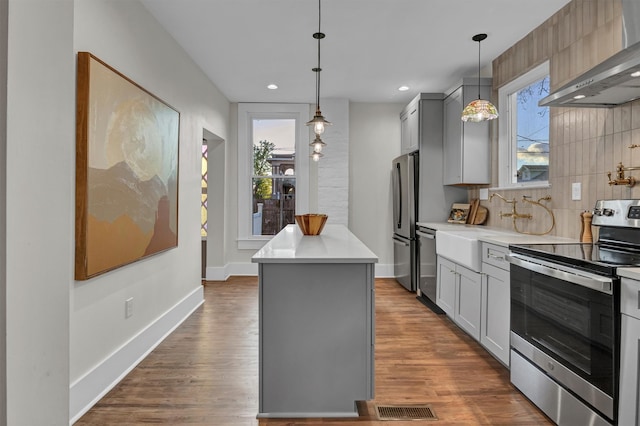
column 524, row 130
column 203, row 200
column 273, row 163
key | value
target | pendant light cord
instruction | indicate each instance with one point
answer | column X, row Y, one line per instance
column 319, row 36
column 479, row 41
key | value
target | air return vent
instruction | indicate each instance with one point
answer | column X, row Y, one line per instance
column 405, row 412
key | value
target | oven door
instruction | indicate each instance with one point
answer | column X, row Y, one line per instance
column 564, row 321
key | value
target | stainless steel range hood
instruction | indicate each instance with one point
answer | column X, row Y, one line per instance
column 616, row 80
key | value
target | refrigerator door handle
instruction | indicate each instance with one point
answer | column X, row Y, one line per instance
column 398, row 200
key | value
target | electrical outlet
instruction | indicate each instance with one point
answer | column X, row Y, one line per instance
column 128, row 307
column 484, row 194
column 576, row 191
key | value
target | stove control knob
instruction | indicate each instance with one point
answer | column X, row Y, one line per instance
column 603, row 212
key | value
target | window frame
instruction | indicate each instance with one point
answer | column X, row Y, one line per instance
column 507, row 141
column 247, row 112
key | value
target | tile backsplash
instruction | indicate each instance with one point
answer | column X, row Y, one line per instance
column 585, row 143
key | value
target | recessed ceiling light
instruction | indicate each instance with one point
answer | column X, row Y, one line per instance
column 403, row 88
column 272, row 86
column 635, row 74
column 579, row 97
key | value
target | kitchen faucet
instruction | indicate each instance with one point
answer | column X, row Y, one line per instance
column 514, row 214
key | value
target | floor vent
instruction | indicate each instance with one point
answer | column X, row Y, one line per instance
column 405, row 412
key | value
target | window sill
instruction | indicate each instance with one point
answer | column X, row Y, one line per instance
column 522, row 186
column 252, row 243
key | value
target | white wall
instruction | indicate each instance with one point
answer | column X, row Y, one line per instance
column 333, row 168
column 39, row 201
column 59, row 332
column 3, row 208
column 374, row 141
column 128, row 38
column 365, row 141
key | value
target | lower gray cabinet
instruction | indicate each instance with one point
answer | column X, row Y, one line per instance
column 317, row 338
column 496, row 309
column 458, row 294
column 629, row 404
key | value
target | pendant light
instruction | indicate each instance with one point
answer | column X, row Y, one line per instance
column 480, row 109
column 318, row 122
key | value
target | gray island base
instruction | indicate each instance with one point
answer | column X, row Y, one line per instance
column 317, row 324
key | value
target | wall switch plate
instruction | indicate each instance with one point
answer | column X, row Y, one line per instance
column 576, row 191
column 484, row 193
column 128, row 307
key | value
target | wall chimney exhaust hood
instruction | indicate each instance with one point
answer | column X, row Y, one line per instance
column 613, row 82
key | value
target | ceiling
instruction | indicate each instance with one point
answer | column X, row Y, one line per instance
column 371, row 48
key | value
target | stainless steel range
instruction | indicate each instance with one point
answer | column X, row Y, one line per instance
column 565, row 318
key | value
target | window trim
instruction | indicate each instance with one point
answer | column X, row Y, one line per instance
column 247, row 112
column 506, row 129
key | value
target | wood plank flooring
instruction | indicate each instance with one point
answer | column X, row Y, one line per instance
column 206, row 372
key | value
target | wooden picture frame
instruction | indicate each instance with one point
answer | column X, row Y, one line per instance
column 127, row 144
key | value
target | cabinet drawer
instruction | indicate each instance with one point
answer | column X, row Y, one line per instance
column 495, row 255
column 630, row 297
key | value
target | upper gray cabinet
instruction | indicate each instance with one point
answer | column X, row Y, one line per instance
column 410, row 127
column 466, row 145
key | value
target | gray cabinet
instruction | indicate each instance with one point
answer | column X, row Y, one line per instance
column 495, row 306
column 410, row 127
column 467, row 153
column 467, row 307
column 458, row 294
column 446, row 285
column 316, row 324
column 420, row 120
column 629, row 353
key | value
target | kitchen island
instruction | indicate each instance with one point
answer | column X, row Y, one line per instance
column 317, row 324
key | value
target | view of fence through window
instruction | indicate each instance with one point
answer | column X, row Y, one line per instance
column 203, row 200
column 532, row 133
column 274, row 180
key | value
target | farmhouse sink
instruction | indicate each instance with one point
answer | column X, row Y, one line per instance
column 462, row 246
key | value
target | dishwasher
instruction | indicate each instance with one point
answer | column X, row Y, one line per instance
column 427, row 268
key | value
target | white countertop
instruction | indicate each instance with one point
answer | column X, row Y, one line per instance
column 336, row 244
column 633, row 273
column 500, row 236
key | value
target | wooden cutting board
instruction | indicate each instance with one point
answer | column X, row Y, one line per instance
column 480, row 216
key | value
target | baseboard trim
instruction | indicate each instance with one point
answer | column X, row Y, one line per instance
column 222, row 273
column 87, row 390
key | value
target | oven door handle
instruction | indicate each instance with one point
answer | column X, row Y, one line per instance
column 584, row 279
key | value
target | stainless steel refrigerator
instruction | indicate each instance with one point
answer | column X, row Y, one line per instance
column 405, row 185
column 419, row 195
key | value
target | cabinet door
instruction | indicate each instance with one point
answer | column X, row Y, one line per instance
column 467, row 306
column 446, row 288
column 453, row 138
column 629, row 357
column 405, row 132
column 495, row 308
column 410, row 129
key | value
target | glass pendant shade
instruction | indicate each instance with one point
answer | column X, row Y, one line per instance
column 479, row 110
column 317, row 144
column 318, row 122
column 316, row 156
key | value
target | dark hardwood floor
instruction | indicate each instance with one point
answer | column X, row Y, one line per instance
column 206, row 372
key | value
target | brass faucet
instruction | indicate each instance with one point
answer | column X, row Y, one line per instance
column 514, row 214
column 620, row 179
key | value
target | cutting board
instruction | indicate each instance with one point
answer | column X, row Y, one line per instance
column 480, row 216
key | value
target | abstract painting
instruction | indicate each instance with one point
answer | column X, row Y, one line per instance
column 126, row 170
